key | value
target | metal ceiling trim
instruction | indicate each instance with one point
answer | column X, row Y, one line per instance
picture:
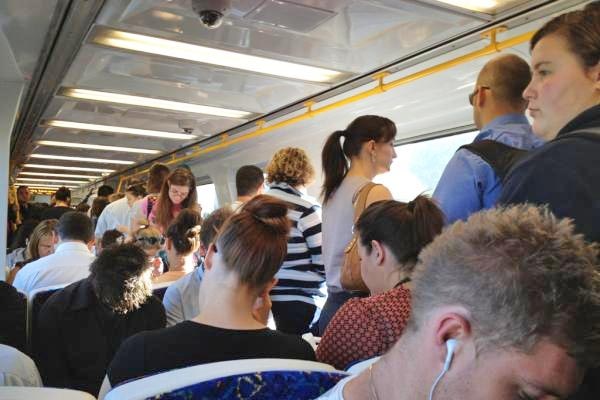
column 71, row 21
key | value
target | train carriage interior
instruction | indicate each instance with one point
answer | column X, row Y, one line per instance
column 97, row 91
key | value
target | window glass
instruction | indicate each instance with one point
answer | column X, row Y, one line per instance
column 419, row 166
column 207, row 198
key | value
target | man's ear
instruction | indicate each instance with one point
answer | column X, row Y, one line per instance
column 208, row 259
column 452, row 323
column 481, row 97
column 594, row 73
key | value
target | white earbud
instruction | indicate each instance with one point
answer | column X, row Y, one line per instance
column 450, row 347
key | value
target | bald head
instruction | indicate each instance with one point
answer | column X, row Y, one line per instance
column 507, row 76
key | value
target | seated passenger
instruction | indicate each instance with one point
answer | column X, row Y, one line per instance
column 183, row 239
column 81, row 327
column 40, row 244
column 495, row 315
column 69, row 262
column 240, row 268
column 109, row 238
column 391, row 236
column 13, row 317
column 17, row 369
column 16, row 252
column 288, row 174
column 182, row 298
column 151, row 241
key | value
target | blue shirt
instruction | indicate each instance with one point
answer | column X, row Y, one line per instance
column 469, row 184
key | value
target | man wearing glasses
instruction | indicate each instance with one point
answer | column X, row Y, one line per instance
column 472, row 179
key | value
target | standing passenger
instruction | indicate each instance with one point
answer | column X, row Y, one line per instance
column 62, row 204
column 117, row 214
column 368, row 142
column 178, row 192
column 249, row 181
column 302, row 272
column 564, row 102
column 240, row 271
column 141, row 209
column 470, row 183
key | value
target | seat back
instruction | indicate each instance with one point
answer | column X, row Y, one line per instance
column 239, row 379
column 19, row 393
column 35, row 302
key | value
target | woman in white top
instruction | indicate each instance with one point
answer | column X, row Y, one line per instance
column 368, row 144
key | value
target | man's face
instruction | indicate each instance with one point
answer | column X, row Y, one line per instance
column 548, row 373
column 23, row 195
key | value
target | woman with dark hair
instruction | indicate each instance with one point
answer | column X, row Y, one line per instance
column 288, row 174
column 182, row 240
column 240, row 271
column 178, row 192
column 81, row 327
column 368, row 143
column 391, row 236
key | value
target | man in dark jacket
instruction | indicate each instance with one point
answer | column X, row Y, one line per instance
column 81, row 327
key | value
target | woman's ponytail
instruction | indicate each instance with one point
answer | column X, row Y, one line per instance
column 335, row 165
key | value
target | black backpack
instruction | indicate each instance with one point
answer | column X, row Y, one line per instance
column 501, row 157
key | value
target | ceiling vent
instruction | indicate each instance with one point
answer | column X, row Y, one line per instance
column 289, row 15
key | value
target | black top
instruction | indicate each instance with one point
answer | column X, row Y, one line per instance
column 55, row 212
column 189, row 343
column 12, row 317
column 78, row 336
column 564, row 174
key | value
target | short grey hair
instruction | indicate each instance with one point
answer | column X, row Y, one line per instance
column 522, row 274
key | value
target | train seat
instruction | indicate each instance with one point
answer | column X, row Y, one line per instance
column 239, row 379
column 41, row 393
column 35, row 302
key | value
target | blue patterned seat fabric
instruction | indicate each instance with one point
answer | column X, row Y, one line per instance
column 269, row 385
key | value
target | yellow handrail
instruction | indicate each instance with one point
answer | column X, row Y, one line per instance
column 493, row 47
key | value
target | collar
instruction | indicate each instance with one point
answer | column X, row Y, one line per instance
column 588, row 118
column 72, row 246
column 497, row 123
column 83, row 295
column 286, row 188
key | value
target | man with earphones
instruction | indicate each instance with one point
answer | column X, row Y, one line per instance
column 504, row 306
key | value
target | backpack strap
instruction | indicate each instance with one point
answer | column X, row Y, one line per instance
column 360, row 199
column 501, row 157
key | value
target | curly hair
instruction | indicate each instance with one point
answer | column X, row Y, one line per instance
column 119, row 277
column 290, row 165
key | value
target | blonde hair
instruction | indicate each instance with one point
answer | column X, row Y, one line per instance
column 290, row 165
column 44, row 228
column 146, row 232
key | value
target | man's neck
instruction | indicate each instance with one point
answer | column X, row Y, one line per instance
column 61, row 204
column 244, row 199
column 493, row 114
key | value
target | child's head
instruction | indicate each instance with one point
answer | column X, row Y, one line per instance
column 150, row 239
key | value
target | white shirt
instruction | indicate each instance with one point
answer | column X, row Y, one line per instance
column 69, row 263
column 182, row 298
column 17, row 369
column 336, row 392
column 115, row 214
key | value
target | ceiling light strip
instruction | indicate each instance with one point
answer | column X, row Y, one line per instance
column 59, row 175
column 96, row 147
column 117, row 129
column 52, row 180
column 118, row 98
column 208, row 55
column 67, row 168
column 82, row 159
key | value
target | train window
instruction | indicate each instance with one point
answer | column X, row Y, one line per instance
column 207, row 198
column 419, row 166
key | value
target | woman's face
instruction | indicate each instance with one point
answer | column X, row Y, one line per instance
column 384, row 156
column 178, row 193
column 46, row 245
column 560, row 88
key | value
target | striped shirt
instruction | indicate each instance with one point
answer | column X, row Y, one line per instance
column 302, row 271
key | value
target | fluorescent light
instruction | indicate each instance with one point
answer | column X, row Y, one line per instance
column 65, row 168
column 36, row 186
column 96, row 147
column 110, row 97
column 60, row 175
column 473, row 5
column 209, row 55
column 117, row 129
column 51, row 180
column 83, row 159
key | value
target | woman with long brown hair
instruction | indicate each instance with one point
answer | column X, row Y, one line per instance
column 368, row 143
column 178, row 192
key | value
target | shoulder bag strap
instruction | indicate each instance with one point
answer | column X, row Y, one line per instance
column 361, row 199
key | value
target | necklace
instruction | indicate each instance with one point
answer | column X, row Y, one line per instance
column 402, row 282
column 372, row 383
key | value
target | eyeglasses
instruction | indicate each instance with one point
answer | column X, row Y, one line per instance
column 151, row 240
column 477, row 89
column 177, row 193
